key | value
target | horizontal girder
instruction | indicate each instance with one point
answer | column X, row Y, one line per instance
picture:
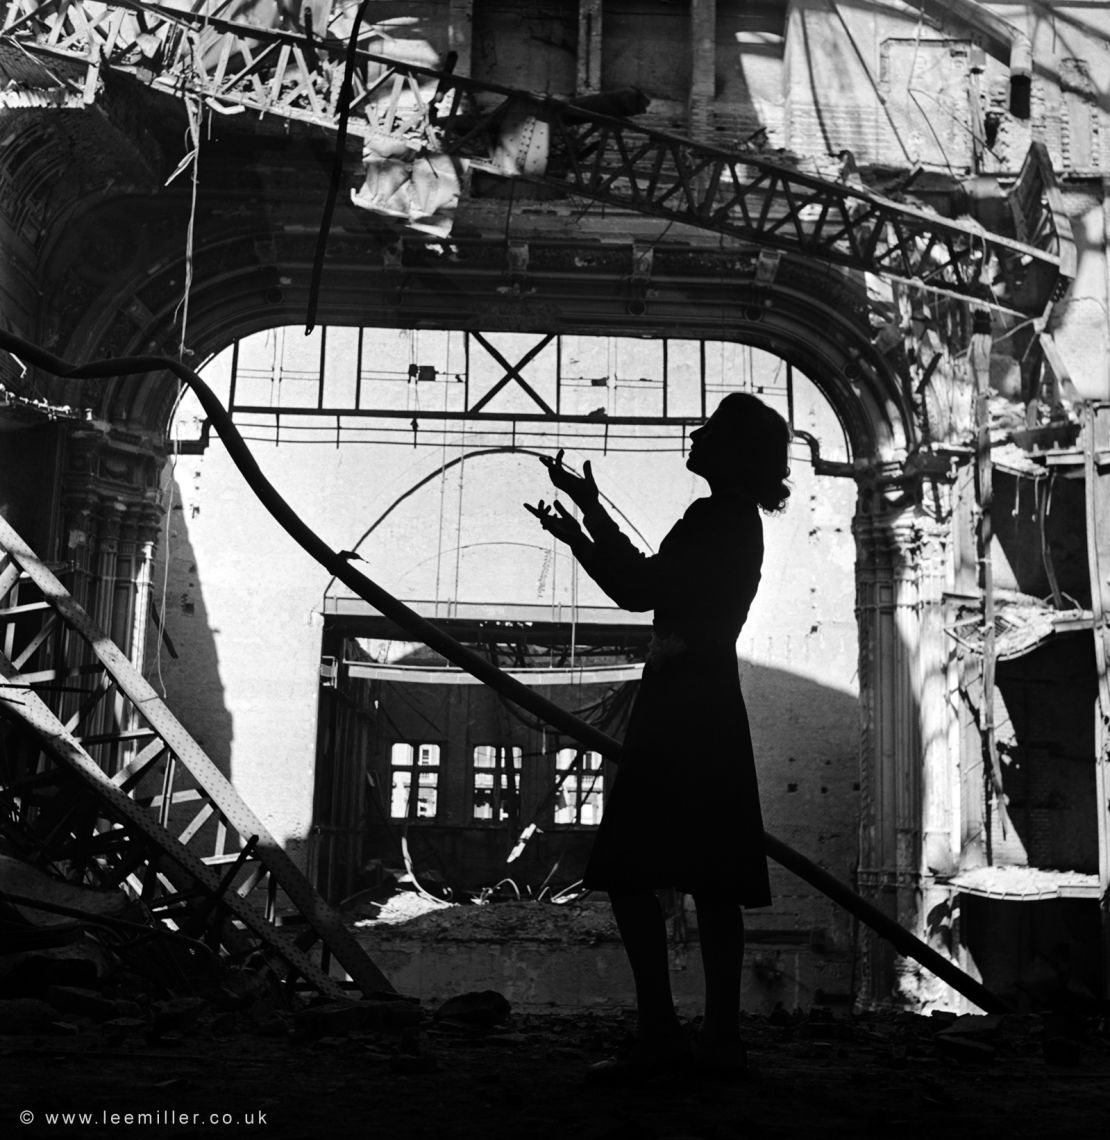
column 238, row 67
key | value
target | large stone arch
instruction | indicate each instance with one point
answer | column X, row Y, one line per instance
column 113, row 273
column 113, row 267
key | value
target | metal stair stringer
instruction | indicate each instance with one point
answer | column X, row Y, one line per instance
column 153, row 814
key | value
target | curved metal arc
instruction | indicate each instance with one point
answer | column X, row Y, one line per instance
column 443, row 468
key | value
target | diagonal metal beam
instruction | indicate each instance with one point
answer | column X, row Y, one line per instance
column 475, row 663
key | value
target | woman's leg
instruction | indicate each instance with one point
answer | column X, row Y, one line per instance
column 643, row 931
column 721, row 934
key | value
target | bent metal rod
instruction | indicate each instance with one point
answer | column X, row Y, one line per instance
column 435, row 638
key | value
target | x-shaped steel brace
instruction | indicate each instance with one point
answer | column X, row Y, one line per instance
column 512, row 372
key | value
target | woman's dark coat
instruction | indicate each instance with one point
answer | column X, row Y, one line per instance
column 684, row 809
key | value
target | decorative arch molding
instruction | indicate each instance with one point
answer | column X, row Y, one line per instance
column 252, row 271
column 252, row 262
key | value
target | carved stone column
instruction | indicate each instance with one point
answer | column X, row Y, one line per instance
column 901, row 571
column 110, row 499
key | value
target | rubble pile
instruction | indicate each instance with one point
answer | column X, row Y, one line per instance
column 582, row 920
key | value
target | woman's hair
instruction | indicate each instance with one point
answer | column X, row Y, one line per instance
column 762, row 441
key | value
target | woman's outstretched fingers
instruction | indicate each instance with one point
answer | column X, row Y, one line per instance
column 588, row 475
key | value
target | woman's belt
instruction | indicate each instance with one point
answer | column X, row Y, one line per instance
column 666, row 647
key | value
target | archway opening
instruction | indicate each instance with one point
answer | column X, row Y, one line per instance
column 414, row 449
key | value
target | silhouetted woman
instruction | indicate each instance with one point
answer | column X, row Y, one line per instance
column 684, row 811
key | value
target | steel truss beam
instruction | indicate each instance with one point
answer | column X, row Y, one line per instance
column 236, row 66
column 118, row 792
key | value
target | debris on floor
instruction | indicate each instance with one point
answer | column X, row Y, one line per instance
column 473, row 1067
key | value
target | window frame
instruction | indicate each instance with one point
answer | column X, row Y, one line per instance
column 415, row 766
column 498, row 814
column 563, row 776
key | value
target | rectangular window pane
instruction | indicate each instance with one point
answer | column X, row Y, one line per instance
column 399, row 795
column 426, row 803
column 564, row 809
column 400, row 754
column 485, row 756
column 429, row 754
column 580, row 783
column 566, row 801
column 591, row 809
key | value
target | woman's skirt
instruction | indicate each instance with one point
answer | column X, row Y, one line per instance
column 684, row 810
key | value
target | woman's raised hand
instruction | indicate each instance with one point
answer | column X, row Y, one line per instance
column 580, row 488
column 556, row 520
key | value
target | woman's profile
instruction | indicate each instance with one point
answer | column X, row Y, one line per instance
column 684, row 809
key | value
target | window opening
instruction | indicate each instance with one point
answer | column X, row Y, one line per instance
column 496, row 781
column 408, row 800
column 602, row 393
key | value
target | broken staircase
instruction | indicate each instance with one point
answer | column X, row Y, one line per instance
column 102, row 785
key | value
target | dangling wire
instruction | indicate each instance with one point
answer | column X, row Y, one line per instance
column 459, row 518
column 443, row 464
column 192, row 109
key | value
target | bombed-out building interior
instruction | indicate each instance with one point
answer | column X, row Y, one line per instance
column 306, row 727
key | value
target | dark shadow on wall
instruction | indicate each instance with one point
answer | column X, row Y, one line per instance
column 1048, row 754
column 1040, row 526
column 187, row 656
column 1036, row 955
column 29, row 458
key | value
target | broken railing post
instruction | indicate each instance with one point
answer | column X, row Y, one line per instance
column 474, row 663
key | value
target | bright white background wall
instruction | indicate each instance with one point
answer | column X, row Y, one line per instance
column 242, row 605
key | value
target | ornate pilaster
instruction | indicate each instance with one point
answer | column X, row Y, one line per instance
column 901, row 571
column 111, row 515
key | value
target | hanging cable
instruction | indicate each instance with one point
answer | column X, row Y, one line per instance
column 459, row 513
column 835, row 9
column 192, row 110
column 343, row 107
column 442, row 482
